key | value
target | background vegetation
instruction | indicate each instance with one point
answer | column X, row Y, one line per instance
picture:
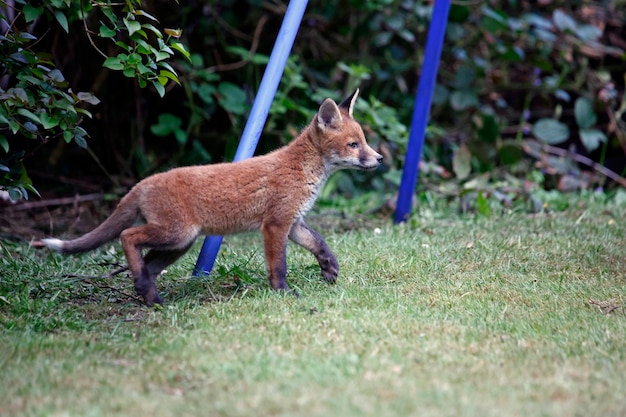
column 530, row 94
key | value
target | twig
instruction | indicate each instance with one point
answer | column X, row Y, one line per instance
column 108, row 287
column 606, row 306
column 93, row 280
column 252, row 51
column 87, row 32
column 553, row 150
column 55, row 202
column 621, row 136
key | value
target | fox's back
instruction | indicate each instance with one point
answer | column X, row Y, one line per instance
column 226, row 198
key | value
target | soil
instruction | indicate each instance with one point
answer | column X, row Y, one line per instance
column 64, row 216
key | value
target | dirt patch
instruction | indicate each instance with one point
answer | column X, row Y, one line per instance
column 67, row 216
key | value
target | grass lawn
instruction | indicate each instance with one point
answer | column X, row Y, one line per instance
column 508, row 315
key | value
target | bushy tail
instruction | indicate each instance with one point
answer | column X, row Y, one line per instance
column 122, row 218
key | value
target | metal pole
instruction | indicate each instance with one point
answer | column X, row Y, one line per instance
column 428, row 77
column 258, row 114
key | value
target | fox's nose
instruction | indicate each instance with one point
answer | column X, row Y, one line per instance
column 379, row 158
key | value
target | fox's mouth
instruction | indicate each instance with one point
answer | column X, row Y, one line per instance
column 364, row 167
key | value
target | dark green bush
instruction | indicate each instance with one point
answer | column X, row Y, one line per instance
column 527, row 92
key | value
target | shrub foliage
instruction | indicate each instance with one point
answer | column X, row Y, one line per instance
column 528, row 95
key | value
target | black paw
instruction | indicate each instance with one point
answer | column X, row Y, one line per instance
column 330, row 269
column 148, row 291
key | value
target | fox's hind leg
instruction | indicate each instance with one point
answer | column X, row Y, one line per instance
column 167, row 246
column 302, row 234
column 156, row 260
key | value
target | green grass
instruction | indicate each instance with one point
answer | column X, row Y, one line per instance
column 509, row 315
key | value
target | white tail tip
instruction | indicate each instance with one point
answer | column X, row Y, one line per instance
column 54, row 244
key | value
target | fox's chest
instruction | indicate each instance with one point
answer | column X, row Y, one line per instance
column 313, row 189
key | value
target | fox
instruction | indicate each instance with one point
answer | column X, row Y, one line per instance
column 165, row 212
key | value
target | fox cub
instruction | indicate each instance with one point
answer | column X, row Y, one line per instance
column 272, row 193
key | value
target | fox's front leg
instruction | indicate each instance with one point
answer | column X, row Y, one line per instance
column 302, row 234
column 275, row 244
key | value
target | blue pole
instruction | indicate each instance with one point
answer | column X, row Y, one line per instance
column 258, row 114
column 423, row 98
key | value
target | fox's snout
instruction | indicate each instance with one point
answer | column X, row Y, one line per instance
column 369, row 159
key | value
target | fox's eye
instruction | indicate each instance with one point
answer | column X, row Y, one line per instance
column 353, row 145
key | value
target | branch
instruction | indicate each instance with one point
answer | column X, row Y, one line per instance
column 553, row 150
column 55, row 202
column 252, row 51
column 87, row 32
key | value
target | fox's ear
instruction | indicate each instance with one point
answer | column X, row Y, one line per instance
column 348, row 103
column 328, row 115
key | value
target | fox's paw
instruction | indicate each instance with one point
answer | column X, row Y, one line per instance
column 148, row 291
column 155, row 300
column 330, row 269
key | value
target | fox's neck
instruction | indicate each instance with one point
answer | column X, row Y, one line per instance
column 311, row 157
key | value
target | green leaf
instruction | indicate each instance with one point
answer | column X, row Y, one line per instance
column 143, row 70
column 85, row 112
column 79, row 137
column 550, row 131
column 132, row 25
column 62, row 19
column 464, row 77
column 139, row 32
column 31, row 12
column 170, row 75
column 181, row 48
column 67, row 136
column 585, row 115
column 29, row 114
column 181, row 136
column 153, row 29
column 160, row 55
column 4, row 143
column 483, row 204
column 47, row 121
column 159, row 88
column 463, row 99
column 114, row 63
column 510, row 152
column 592, row 138
column 56, row 76
column 167, row 123
column 133, row 59
column 20, row 93
column 14, row 194
column 563, row 21
column 144, row 14
column 110, row 14
column 232, row 98
column 106, row 32
column 123, row 46
column 461, row 162
column 488, row 129
column 205, row 92
column 588, row 33
column 88, row 98
column 168, row 67
column 14, row 126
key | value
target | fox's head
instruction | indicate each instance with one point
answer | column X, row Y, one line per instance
column 341, row 138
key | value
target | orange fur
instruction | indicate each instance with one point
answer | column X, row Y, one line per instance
column 272, row 193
